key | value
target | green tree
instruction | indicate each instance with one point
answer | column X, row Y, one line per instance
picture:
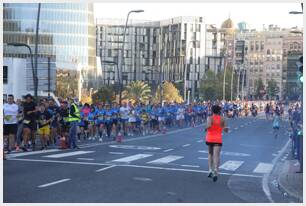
column 170, row 93
column 137, row 91
column 272, row 88
column 259, row 88
column 104, row 94
column 210, row 86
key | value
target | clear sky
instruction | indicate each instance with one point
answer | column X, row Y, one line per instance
column 255, row 14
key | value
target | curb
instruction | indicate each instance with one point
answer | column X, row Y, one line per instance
column 265, row 179
column 283, row 189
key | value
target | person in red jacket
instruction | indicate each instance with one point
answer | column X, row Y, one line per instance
column 215, row 126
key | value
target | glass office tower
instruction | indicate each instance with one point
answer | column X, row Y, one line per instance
column 66, row 33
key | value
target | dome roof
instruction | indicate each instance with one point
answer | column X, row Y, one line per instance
column 228, row 24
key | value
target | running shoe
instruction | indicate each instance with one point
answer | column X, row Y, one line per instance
column 210, row 174
column 215, row 177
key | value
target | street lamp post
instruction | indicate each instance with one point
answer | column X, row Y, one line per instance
column 185, row 70
column 119, row 79
column 121, row 60
column 36, row 48
column 32, row 64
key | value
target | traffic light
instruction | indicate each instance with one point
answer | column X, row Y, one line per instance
column 299, row 65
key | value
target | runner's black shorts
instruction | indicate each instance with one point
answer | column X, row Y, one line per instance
column 32, row 126
column 10, row 129
column 213, row 144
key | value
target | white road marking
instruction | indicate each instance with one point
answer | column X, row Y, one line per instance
column 229, row 153
column 53, row 183
column 186, row 145
column 200, row 141
column 68, row 154
column 231, row 165
column 89, row 159
column 236, row 128
column 190, row 165
column 203, row 158
column 31, row 153
column 263, row 168
column 168, row 150
column 116, row 153
column 132, row 158
column 165, row 160
column 135, row 166
column 144, row 179
column 235, row 154
column 105, row 168
column 134, row 147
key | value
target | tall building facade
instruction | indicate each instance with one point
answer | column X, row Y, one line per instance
column 172, row 50
column 66, row 35
column 266, row 57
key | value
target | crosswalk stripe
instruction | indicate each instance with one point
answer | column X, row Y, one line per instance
column 263, row 168
column 231, row 165
column 132, row 158
column 68, row 154
column 165, row 160
column 31, row 153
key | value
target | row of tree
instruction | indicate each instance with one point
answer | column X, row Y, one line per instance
column 139, row 92
column 211, row 88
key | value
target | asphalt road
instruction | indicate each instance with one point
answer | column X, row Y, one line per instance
column 167, row 168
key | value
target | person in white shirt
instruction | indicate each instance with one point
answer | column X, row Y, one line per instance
column 124, row 115
column 10, row 114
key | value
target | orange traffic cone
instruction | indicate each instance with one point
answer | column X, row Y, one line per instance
column 63, row 144
column 119, row 137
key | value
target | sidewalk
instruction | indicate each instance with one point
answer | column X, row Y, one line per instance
column 290, row 181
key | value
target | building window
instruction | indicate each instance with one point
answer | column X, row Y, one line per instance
column 5, row 75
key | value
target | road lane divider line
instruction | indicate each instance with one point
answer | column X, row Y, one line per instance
column 229, row 153
column 105, row 168
column 89, row 159
column 116, row 153
column 143, row 179
column 203, row 158
column 190, row 166
column 189, row 170
column 186, row 145
column 68, row 154
column 200, row 141
column 165, row 160
column 135, row 166
column 54, row 183
column 168, row 150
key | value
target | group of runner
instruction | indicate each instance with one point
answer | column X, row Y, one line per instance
column 24, row 120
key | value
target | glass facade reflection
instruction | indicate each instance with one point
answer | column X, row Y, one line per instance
column 66, row 32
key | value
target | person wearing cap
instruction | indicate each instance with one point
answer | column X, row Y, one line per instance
column 73, row 119
column 29, row 122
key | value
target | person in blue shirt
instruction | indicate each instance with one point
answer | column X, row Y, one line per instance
column 115, row 118
column 108, row 113
column 100, row 121
column 154, row 118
